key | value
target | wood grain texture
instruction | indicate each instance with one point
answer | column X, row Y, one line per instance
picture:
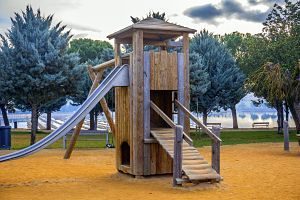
column 138, row 103
column 186, row 49
column 163, row 70
column 147, row 150
column 195, row 167
column 177, row 155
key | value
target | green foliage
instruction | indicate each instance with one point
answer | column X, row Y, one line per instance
column 215, row 79
column 248, row 50
column 151, row 14
column 91, row 52
column 89, row 49
column 40, row 69
column 282, row 30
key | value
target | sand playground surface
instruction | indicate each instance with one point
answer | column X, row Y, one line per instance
column 252, row 171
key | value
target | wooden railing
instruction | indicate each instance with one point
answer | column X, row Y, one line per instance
column 178, row 137
column 169, row 121
column 214, row 135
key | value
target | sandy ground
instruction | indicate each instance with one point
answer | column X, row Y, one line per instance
column 255, row 171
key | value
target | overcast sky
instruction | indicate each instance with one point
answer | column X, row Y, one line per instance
column 96, row 19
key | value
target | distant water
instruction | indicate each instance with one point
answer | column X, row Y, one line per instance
column 245, row 119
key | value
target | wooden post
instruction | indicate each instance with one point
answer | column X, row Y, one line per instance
column 286, row 135
column 186, row 42
column 137, row 96
column 177, row 160
column 79, row 125
column 147, row 150
column 215, row 161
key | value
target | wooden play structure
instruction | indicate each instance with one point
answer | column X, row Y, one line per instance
column 147, row 140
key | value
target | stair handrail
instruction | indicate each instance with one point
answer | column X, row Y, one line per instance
column 198, row 122
column 169, row 121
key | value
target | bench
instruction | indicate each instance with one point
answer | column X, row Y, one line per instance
column 88, row 133
column 211, row 124
column 260, row 125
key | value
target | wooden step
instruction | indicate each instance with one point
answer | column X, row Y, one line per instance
column 193, row 164
column 201, row 177
column 200, row 171
column 196, row 167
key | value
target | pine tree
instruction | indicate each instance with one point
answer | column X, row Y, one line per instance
column 5, row 89
column 42, row 71
column 219, row 80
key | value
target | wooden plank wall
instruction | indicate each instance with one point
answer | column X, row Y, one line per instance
column 122, row 122
column 163, row 70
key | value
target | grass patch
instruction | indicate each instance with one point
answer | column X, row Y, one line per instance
column 242, row 137
column 20, row 140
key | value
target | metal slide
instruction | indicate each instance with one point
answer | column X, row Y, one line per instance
column 117, row 78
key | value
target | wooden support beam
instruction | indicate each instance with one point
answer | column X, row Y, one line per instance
column 79, row 125
column 137, row 95
column 186, row 49
column 177, row 159
column 103, row 102
column 147, row 149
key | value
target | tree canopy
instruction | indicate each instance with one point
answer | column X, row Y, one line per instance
column 41, row 69
column 216, row 81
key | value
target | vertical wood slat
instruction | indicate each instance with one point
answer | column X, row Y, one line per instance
column 186, row 49
column 138, row 102
column 177, row 159
column 147, row 164
column 180, row 93
column 286, row 135
column 215, row 161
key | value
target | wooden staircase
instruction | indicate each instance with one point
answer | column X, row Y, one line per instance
column 194, row 167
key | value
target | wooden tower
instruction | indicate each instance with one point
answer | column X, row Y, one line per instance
column 157, row 76
column 147, row 139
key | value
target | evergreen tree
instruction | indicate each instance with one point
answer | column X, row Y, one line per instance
column 6, row 88
column 151, row 14
column 42, row 71
column 218, row 79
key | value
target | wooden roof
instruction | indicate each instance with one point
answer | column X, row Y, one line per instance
column 153, row 29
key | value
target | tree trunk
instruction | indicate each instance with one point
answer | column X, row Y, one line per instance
column 48, row 121
column 34, row 123
column 279, row 108
column 92, row 121
column 96, row 120
column 205, row 117
column 4, row 114
column 286, row 111
column 234, row 118
column 296, row 114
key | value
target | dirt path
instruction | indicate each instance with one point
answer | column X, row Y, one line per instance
column 256, row 171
